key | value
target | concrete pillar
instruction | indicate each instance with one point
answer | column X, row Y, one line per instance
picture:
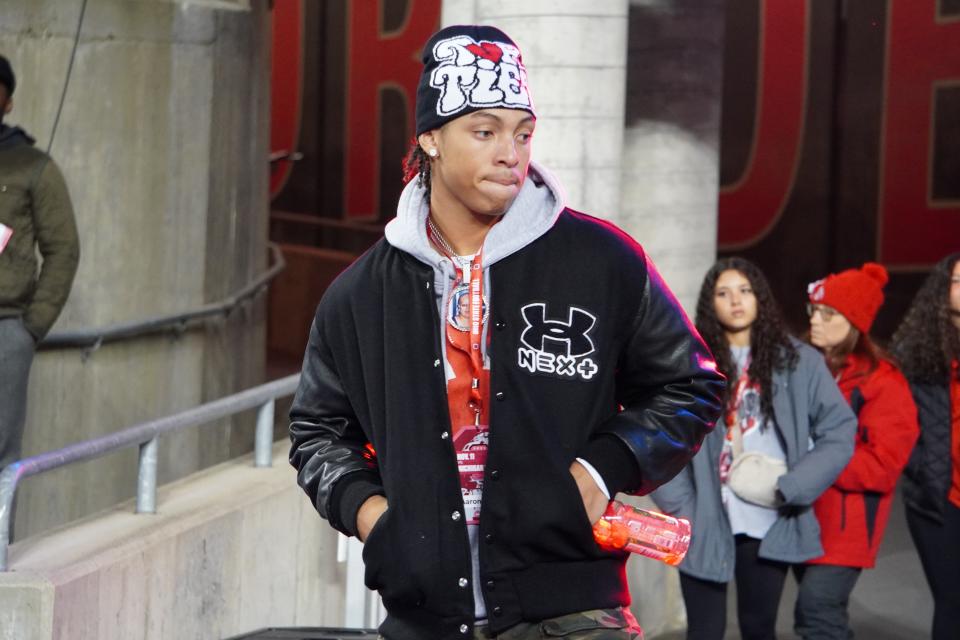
column 575, row 53
column 671, row 145
column 163, row 142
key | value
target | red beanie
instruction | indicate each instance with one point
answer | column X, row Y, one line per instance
column 856, row 293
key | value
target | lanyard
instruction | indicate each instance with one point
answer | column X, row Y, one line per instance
column 476, row 312
column 472, row 275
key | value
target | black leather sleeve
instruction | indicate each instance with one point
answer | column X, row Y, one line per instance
column 329, row 448
column 670, row 391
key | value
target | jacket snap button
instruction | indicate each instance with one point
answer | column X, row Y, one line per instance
column 500, row 395
column 488, row 538
column 490, row 585
column 495, row 474
column 444, row 435
column 464, row 628
column 501, row 325
column 497, row 611
column 455, row 516
column 463, row 582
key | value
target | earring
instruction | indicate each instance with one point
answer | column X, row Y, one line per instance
column 432, row 153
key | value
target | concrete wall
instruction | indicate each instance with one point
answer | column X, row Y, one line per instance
column 231, row 550
column 163, row 142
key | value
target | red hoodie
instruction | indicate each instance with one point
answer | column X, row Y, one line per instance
column 853, row 512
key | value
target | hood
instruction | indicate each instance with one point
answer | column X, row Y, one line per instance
column 532, row 213
column 13, row 137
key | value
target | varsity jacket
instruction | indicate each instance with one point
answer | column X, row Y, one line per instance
column 853, row 512
column 590, row 356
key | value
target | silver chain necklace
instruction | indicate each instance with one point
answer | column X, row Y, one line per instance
column 440, row 240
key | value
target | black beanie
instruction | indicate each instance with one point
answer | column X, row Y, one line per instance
column 7, row 78
column 467, row 68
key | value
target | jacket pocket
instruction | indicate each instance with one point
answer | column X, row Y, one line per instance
column 582, row 524
column 385, row 568
column 586, row 624
column 18, row 274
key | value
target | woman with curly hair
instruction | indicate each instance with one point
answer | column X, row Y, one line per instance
column 853, row 512
column 927, row 345
column 749, row 490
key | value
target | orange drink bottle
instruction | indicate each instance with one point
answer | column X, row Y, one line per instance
column 647, row 533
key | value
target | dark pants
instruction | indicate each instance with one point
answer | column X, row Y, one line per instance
column 939, row 549
column 598, row 624
column 822, row 601
column 759, row 586
column 16, row 356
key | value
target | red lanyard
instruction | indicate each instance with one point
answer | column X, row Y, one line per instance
column 476, row 312
column 475, row 279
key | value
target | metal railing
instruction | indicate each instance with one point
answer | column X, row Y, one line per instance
column 91, row 339
column 145, row 436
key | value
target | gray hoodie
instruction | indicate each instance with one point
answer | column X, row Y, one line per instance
column 532, row 213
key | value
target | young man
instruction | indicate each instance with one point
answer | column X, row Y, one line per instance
column 35, row 212
column 473, row 458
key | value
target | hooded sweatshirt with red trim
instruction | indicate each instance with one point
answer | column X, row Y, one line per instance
column 853, row 512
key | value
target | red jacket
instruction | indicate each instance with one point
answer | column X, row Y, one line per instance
column 853, row 512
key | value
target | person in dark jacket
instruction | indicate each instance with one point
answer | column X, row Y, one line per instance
column 748, row 493
column 853, row 512
column 473, row 451
column 35, row 213
column 927, row 345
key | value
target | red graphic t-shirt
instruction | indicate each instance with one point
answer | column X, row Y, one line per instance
column 743, row 413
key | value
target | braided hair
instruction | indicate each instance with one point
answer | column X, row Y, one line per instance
column 416, row 164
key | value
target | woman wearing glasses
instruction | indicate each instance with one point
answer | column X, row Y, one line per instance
column 748, row 491
column 927, row 345
column 853, row 512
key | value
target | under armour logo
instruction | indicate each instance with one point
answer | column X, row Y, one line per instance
column 557, row 347
column 572, row 334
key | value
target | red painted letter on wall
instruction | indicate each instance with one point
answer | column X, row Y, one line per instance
column 750, row 207
column 286, row 81
column 377, row 60
column 922, row 50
